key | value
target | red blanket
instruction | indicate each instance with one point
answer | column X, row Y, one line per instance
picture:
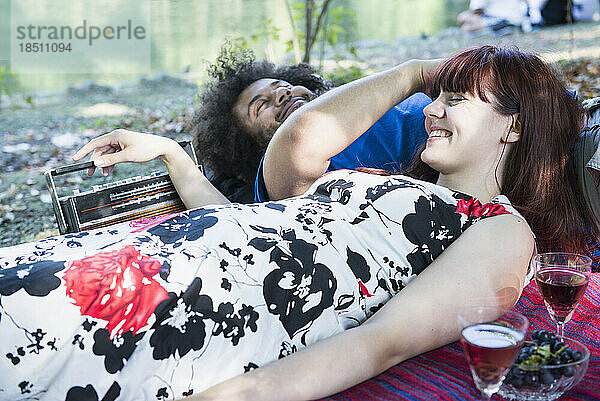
column 443, row 374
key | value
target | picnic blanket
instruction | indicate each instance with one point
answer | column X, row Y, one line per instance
column 443, row 374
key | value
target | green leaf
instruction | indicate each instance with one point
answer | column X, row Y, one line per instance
column 341, row 76
column 335, row 28
column 8, row 81
column 544, row 351
column 99, row 123
column 29, row 100
column 534, row 361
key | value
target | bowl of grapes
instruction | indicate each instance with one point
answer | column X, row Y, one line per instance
column 545, row 368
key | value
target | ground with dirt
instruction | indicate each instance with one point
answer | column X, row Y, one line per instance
column 45, row 135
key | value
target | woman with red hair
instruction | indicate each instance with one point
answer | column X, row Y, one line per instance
column 182, row 306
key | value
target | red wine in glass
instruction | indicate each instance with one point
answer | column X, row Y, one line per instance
column 491, row 350
column 491, row 344
column 562, row 290
column 562, row 279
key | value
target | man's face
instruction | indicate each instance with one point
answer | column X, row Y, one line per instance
column 264, row 105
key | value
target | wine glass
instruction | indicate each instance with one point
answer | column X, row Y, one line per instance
column 562, row 279
column 491, row 344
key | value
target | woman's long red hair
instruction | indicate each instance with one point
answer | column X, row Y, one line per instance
column 538, row 178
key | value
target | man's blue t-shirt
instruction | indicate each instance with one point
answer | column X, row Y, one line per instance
column 390, row 143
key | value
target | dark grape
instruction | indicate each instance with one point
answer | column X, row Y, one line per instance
column 532, row 379
column 546, row 377
column 565, row 356
column 568, row 371
column 555, row 361
column 517, row 382
column 557, row 373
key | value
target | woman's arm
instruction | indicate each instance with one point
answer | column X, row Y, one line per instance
column 300, row 150
column 485, row 266
column 122, row 146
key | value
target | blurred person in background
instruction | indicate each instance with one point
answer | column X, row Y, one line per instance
column 493, row 15
column 554, row 12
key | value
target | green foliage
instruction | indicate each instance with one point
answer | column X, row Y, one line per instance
column 28, row 99
column 267, row 31
column 341, row 76
column 9, row 85
column 298, row 13
column 241, row 42
column 173, row 114
column 99, row 123
column 334, row 30
column 8, row 81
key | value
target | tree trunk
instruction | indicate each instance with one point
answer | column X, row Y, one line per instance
column 311, row 34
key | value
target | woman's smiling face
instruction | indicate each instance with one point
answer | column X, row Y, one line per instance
column 465, row 133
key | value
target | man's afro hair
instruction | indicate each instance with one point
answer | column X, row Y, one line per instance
column 219, row 141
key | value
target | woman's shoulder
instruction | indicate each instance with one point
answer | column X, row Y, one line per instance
column 502, row 200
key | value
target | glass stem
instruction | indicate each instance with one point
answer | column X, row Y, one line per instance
column 560, row 330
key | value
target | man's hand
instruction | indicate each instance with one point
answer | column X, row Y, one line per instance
column 121, row 146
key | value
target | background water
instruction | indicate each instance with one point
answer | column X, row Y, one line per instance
column 188, row 33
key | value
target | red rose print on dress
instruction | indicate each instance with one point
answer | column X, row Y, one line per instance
column 116, row 286
column 472, row 208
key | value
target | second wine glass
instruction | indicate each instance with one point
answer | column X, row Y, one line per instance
column 491, row 344
column 562, row 279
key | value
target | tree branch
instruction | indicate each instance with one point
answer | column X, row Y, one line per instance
column 311, row 35
column 321, row 15
column 309, row 4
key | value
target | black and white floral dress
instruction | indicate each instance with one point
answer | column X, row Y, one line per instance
column 166, row 307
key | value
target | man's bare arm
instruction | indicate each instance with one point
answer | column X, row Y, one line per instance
column 300, row 150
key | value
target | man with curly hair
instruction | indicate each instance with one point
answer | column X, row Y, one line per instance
column 243, row 103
